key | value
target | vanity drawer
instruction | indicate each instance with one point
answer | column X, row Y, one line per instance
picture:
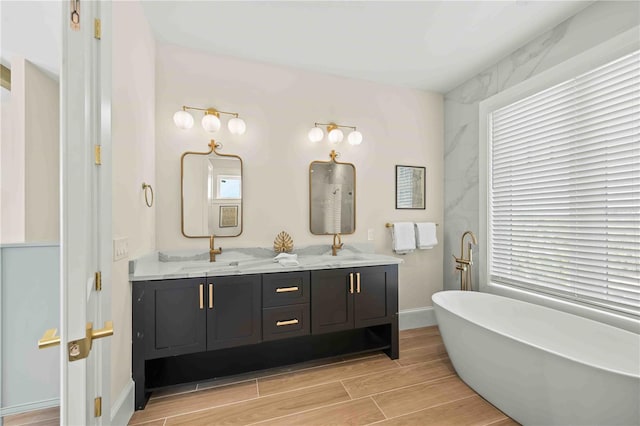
column 286, row 321
column 285, row 288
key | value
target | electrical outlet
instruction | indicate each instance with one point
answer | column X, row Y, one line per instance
column 120, row 248
column 370, row 234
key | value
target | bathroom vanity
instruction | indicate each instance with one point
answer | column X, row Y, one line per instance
column 195, row 321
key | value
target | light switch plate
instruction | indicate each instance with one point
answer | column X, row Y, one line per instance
column 120, row 248
column 370, row 234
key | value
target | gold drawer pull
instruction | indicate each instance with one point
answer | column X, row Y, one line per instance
column 288, row 322
column 286, row 289
column 201, row 296
column 210, row 296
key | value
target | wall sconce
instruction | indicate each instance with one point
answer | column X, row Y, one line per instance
column 334, row 134
column 210, row 121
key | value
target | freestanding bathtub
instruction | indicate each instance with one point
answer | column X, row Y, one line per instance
column 538, row 365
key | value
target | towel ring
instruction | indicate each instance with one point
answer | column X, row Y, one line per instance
column 146, row 186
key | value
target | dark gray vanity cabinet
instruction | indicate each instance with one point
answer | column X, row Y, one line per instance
column 234, row 311
column 174, row 317
column 343, row 299
column 193, row 329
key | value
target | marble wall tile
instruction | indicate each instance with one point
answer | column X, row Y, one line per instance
column 593, row 25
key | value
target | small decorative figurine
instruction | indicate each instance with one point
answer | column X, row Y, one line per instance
column 283, row 243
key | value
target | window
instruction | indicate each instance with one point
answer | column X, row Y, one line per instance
column 564, row 189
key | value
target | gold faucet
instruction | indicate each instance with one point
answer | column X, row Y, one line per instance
column 213, row 251
column 336, row 246
column 464, row 265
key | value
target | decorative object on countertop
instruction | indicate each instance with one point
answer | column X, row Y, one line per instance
column 283, row 243
column 426, row 235
column 146, row 186
column 334, row 134
column 464, row 265
column 404, row 237
column 210, row 121
column 410, row 187
column 286, row 259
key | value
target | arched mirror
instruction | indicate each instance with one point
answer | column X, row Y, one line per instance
column 332, row 197
column 211, row 192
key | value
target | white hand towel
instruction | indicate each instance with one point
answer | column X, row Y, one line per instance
column 286, row 259
column 426, row 235
column 404, row 237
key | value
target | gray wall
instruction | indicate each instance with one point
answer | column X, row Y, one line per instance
column 592, row 26
column 29, row 304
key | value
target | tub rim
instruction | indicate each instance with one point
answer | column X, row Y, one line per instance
column 537, row 346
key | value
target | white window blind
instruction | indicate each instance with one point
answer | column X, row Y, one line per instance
column 564, row 193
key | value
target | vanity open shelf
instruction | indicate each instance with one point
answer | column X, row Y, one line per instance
column 202, row 328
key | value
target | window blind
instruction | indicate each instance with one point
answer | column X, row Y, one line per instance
column 564, row 192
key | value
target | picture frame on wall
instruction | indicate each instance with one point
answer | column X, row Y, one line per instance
column 228, row 216
column 411, row 187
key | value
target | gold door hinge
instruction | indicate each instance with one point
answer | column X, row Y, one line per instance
column 98, row 156
column 98, row 281
column 97, row 412
column 97, row 28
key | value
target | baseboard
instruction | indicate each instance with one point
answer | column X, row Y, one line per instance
column 31, row 406
column 416, row 318
column 122, row 408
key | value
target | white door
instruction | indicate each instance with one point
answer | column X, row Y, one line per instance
column 85, row 240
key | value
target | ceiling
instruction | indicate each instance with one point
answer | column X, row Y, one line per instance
column 430, row 45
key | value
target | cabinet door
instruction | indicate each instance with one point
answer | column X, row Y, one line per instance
column 234, row 311
column 370, row 299
column 331, row 301
column 175, row 317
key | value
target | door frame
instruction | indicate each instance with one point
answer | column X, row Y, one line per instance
column 85, row 210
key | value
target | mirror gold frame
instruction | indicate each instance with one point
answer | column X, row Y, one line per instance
column 333, row 155
column 213, row 146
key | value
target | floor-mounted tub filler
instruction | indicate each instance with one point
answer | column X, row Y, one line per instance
column 539, row 365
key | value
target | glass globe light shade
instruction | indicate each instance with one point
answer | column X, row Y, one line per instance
column 355, row 138
column 210, row 123
column 237, row 126
column 316, row 134
column 183, row 120
column 336, row 136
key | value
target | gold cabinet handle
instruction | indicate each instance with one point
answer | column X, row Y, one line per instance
column 49, row 339
column 210, row 296
column 358, row 282
column 287, row 322
column 201, row 296
column 351, row 282
column 286, row 289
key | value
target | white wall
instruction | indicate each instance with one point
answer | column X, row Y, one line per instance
column 593, row 25
column 30, row 156
column 42, row 153
column 280, row 105
column 133, row 138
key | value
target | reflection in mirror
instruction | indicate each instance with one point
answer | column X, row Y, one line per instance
column 211, row 194
column 332, row 197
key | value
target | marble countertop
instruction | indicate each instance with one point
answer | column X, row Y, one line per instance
column 240, row 261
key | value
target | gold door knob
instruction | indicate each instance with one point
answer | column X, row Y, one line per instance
column 49, row 339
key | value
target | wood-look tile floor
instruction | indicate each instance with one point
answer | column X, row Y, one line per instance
column 419, row 388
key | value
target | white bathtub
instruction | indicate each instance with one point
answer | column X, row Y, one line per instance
column 539, row 365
